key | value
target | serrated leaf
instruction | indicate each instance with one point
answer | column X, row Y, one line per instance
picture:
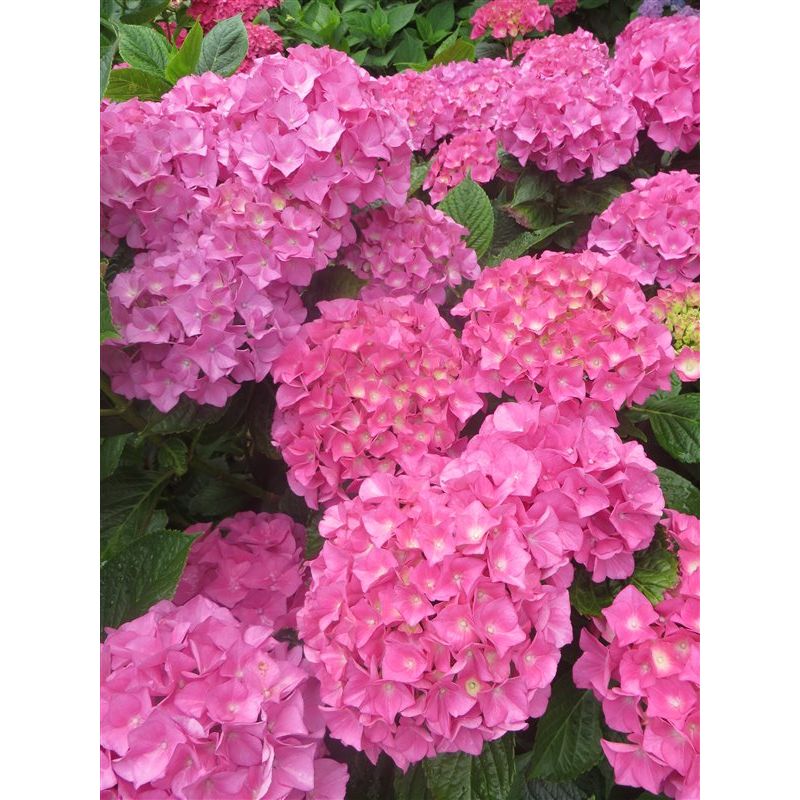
column 140, row 11
column 589, row 598
column 187, row 415
column 410, row 51
column 534, row 215
column 412, row 784
column 110, row 453
column 224, row 47
column 399, row 16
column 531, row 186
column 127, row 501
column 185, row 61
column 144, row 49
column 108, row 49
column 143, row 572
column 442, row 16
column 419, row 171
column 107, row 329
column 538, row 789
column 676, row 424
column 458, row 50
column 656, row 570
column 524, row 242
column 126, row 83
column 173, row 454
column 567, row 740
column 470, row 206
column 679, row 494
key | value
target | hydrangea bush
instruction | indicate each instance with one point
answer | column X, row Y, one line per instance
column 399, row 401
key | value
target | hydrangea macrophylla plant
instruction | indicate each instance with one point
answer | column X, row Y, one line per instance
column 655, row 227
column 511, row 18
column 679, row 309
column 643, row 663
column 565, row 326
column 585, row 493
column 473, row 154
column 657, row 62
column 251, row 564
column 412, row 250
column 195, row 704
column 432, row 623
column 369, row 387
column 237, row 191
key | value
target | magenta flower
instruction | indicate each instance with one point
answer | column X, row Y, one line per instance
column 510, row 18
column 563, row 326
column 646, row 675
column 414, row 249
column 195, row 704
column 656, row 227
column 473, row 153
column 371, row 386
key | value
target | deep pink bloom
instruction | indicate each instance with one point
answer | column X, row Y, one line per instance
column 510, row 18
column 473, row 153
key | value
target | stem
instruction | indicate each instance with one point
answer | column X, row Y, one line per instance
column 239, row 483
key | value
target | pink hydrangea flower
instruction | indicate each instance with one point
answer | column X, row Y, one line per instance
column 236, row 191
column 194, row 703
column 370, row 386
column 433, row 624
column 251, row 564
column 679, row 309
column 565, row 326
column 511, row 18
column 414, row 249
column 209, row 12
column 642, row 662
column 576, row 53
column 657, row 61
column 586, row 494
column 472, row 153
column 261, row 41
column 655, row 227
column 561, row 8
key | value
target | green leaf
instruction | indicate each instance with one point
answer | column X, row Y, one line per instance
column 140, row 574
column 470, row 206
column 108, row 49
column 173, row 454
column 110, row 453
column 139, row 11
column 213, row 498
column 111, row 9
column 531, row 186
column 419, row 172
column 412, row 784
column 107, row 329
column 592, row 3
column 589, row 598
column 459, row 776
column 676, row 424
column 399, row 16
column 679, row 494
column 533, row 215
column 123, row 84
column 314, row 541
column 567, row 740
column 224, row 48
column 144, row 49
column 524, row 242
column 538, row 789
column 185, row 416
column 460, row 50
column 127, row 501
column 185, row 61
column 442, row 16
column 409, row 51
column 426, row 31
column 656, row 569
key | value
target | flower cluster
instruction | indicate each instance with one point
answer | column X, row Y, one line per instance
column 511, row 18
column 194, row 704
column 261, row 41
column 434, row 626
column 412, row 250
column 209, row 12
column 647, row 676
column 473, row 153
column 561, row 8
column 563, row 326
column 575, row 54
column 237, row 190
column 657, row 61
column 568, row 122
column 655, row 227
column 251, row 564
column 368, row 387
column 596, row 498
column 679, row 309
column 655, row 8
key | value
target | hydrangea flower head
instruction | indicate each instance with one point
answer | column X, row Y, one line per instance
column 251, row 564
column 565, row 326
column 679, row 309
column 432, row 624
column 561, row 8
column 235, row 191
column 642, row 662
column 209, row 12
column 412, row 250
column 195, row 704
column 370, row 386
column 573, row 54
column 511, row 18
column 657, row 62
column 261, row 41
column 656, row 227
column 473, row 154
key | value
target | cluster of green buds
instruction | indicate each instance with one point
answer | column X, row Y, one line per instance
column 679, row 310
